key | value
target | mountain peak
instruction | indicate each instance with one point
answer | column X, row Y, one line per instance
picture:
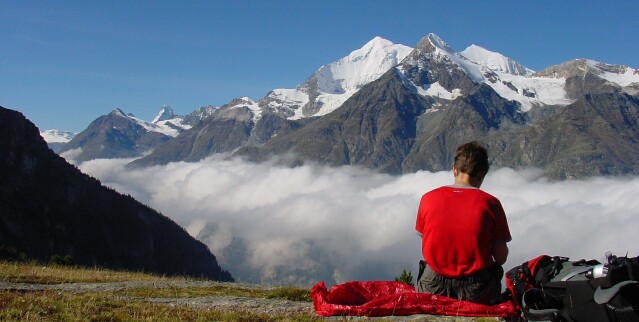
column 437, row 41
column 118, row 112
column 494, row 61
column 377, row 46
column 431, row 47
column 376, row 43
column 239, row 101
column 360, row 67
column 618, row 74
column 434, row 44
column 166, row 113
column 332, row 84
column 574, row 67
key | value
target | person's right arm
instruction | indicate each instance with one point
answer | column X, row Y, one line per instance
column 500, row 252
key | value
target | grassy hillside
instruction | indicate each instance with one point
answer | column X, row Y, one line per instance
column 128, row 301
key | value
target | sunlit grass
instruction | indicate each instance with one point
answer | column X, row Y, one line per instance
column 288, row 293
column 32, row 272
column 54, row 306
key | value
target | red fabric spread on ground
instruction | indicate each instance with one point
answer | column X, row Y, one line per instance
column 385, row 298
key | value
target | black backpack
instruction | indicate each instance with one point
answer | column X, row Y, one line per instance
column 552, row 288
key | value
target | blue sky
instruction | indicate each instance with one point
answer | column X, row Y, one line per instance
column 65, row 63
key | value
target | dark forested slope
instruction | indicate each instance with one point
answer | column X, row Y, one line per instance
column 48, row 208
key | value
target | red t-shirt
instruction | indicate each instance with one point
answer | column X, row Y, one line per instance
column 458, row 226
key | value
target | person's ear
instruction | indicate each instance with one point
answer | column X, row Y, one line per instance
column 454, row 172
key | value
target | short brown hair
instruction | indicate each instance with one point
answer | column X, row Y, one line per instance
column 472, row 158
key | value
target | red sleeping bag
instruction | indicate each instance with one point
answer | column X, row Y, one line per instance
column 385, row 298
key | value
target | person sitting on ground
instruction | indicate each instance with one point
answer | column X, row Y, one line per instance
column 464, row 234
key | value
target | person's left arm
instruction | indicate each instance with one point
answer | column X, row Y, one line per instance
column 501, row 233
column 500, row 252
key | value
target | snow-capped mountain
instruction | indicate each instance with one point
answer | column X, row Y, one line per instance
column 165, row 122
column 332, row 84
column 199, row 114
column 166, row 113
column 495, row 61
column 56, row 139
column 224, row 129
column 244, row 121
column 508, row 78
column 432, row 80
column 122, row 135
column 621, row 75
column 166, row 118
column 244, row 103
column 413, row 117
column 116, row 135
column 614, row 77
column 514, row 81
column 57, row 136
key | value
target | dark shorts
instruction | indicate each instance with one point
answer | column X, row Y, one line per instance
column 482, row 287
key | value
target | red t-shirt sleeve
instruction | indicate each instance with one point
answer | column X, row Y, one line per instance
column 419, row 224
column 501, row 231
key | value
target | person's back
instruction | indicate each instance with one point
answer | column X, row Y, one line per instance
column 464, row 234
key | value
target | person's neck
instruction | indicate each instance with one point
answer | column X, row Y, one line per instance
column 465, row 180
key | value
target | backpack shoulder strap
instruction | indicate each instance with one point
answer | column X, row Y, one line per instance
column 603, row 296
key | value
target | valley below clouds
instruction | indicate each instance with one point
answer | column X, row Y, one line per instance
column 271, row 224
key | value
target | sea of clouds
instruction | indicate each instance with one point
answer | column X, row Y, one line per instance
column 268, row 223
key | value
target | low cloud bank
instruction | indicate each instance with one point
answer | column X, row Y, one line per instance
column 272, row 224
